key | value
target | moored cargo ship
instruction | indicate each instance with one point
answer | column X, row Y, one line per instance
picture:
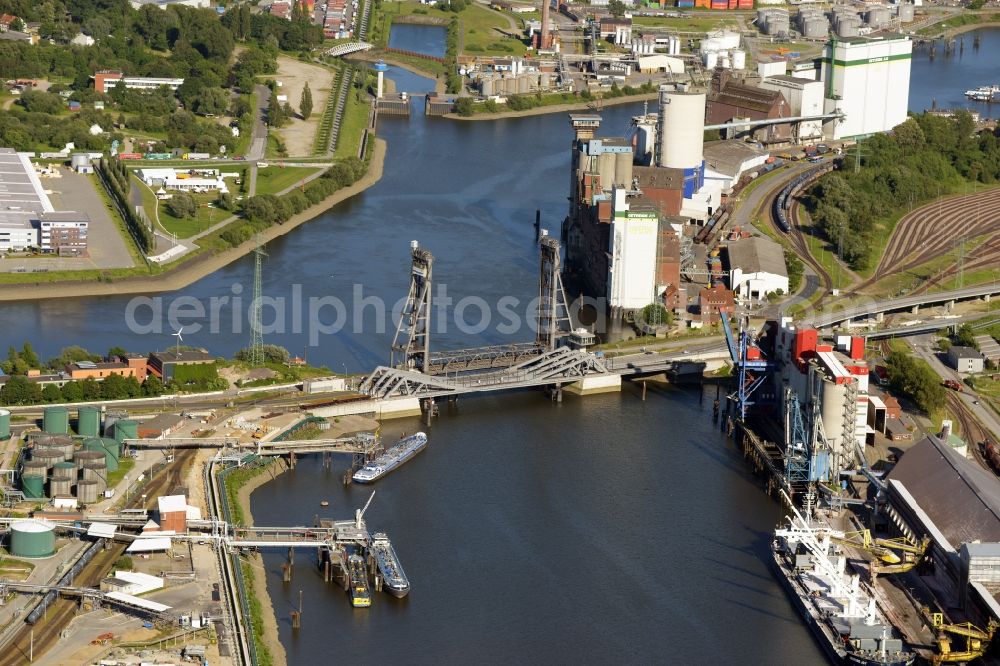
column 393, row 577
column 361, row 596
column 395, row 456
column 839, row 609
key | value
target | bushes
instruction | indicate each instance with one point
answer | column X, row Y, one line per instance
column 182, row 205
column 916, row 380
column 115, row 178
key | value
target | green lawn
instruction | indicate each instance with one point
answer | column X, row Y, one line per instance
column 274, row 179
column 205, row 217
column 480, row 33
column 685, row 24
column 352, row 125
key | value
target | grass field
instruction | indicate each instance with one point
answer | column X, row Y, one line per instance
column 205, row 217
column 480, row 34
column 274, row 179
column 352, row 125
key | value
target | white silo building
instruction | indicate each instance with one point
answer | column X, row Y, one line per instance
column 682, row 136
column 868, row 78
column 805, row 98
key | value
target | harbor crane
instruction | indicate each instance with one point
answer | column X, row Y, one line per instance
column 977, row 640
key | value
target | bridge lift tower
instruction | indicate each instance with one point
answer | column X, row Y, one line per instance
column 411, row 346
column 752, row 369
column 553, row 316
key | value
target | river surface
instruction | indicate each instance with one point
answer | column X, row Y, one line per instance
column 944, row 79
column 600, row 529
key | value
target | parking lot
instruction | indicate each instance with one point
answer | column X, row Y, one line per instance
column 105, row 244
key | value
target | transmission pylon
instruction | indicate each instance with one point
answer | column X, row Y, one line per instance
column 411, row 346
column 256, row 328
column 553, row 317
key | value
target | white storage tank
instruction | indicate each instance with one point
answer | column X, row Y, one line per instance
column 815, row 28
column 878, row 16
column 739, row 59
column 905, row 12
column 725, row 61
column 711, row 60
column 682, row 129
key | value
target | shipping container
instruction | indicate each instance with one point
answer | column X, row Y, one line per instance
column 130, row 156
column 685, row 3
column 198, row 156
column 159, row 156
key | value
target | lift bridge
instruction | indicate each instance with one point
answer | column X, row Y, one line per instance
column 414, row 370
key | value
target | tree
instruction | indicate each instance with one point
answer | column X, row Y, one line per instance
column 655, row 314
column 464, row 106
column 152, row 387
column 51, row 393
column 306, row 103
column 182, row 205
column 916, row 380
column 72, row 392
column 275, row 113
column 211, row 102
column 617, row 8
column 16, row 391
column 114, row 387
column 117, row 352
column 91, row 389
column 966, row 337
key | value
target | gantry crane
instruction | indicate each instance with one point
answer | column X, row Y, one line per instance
column 977, row 640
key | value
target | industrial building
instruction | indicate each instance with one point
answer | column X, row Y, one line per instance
column 91, row 370
column 27, row 217
column 183, row 180
column 164, row 364
column 868, row 79
column 804, row 97
column 757, row 268
column 730, row 100
column 106, row 80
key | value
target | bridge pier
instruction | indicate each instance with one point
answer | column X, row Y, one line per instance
column 596, row 384
column 987, row 297
column 880, row 318
column 915, row 309
column 949, row 306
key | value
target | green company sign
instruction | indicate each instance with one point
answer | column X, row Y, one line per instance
column 868, row 61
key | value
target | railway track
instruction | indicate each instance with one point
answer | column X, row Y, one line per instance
column 35, row 640
column 969, row 428
column 799, row 244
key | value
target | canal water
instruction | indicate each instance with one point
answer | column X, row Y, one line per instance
column 426, row 39
column 604, row 528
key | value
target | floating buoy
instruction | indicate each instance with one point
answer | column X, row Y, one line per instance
column 324, row 503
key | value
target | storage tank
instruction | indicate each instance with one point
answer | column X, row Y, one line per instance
column 110, row 418
column 55, row 420
column 606, row 169
column 725, row 62
column 126, row 429
column 682, row 129
column 815, row 28
column 487, row 86
column 623, row 169
column 64, row 470
column 777, row 25
column 89, row 422
column 4, row 423
column 711, row 59
column 49, row 456
column 849, row 28
column 94, row 471
column 108, row 447
column 878, row 16
column 32, row 538
column 33, row 486
column 833, row 400
column 87, row 492
column 523, row 85
column 82, row 458
column 739, row 59
column 905, row 12
column 78, row 160
column 645, row 139
column 61, row 487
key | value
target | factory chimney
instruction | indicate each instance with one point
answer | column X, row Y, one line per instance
column 544, row 40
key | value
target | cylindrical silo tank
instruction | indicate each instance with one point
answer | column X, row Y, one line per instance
column 725, row 62
column 777, row 25
column 487, row 86
column 4, row 423
column 64, row 470
column 110, row 418
column 623, row 169
column 89, row 422
column 645, row 139
column 108, row 447
column 523, row 85
column 606, row 169
column 545, row 80
column 33, row 485
column 848, row 28
column 739, row 59
column 815, row 28
column 834, row 398
column 55, row 420
column 87, row 492
column 61, row 487
column 94, row 471
column 711, row 59
column 878, row 16
column 126, row 429
column 78, row 160
column 32, row 538
column 48, row 455
column 905, row 12
column 82, row 458
column 682, row 129
column 762, row 16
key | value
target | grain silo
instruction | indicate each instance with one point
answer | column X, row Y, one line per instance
column 87, row 492
column 32, row 538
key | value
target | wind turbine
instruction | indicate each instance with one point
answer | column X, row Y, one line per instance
column 180, row 339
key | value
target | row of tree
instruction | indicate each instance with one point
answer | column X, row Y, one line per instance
column 925, row 157
column 20, row 390
column 115, row 178
column 916, row 380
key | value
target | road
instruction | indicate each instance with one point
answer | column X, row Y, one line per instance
column 891, row 304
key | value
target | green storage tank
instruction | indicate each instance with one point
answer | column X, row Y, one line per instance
column 126, row 429
column 4, row 424
column 55, row 420
column 32, row 538
column 108, row 447
column 89, row 422
column 33, row 486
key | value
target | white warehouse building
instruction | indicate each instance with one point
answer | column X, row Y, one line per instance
column 757, row 268
column 868, row 78
column 632, row 255
column 804, row 97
